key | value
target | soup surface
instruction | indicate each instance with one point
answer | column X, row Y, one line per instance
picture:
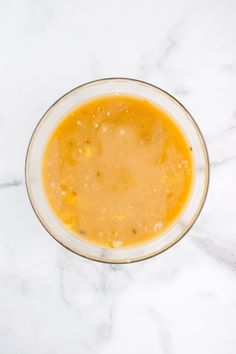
column 117, row 171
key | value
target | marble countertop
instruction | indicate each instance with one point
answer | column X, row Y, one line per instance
column 180, row 302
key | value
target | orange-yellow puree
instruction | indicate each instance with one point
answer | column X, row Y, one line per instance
column 117, row 171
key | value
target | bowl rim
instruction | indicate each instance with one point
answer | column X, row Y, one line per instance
column 203, row 198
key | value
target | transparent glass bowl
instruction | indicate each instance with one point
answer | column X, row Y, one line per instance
column 57, row 112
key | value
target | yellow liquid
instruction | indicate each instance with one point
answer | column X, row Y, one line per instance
column 117, row 171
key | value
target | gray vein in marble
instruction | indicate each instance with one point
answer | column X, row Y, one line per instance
column 229, row 68
column 103, row 282
column 228, row 133
column 163, row 327
column 40, row 16
column 230, row 129
column 61, row 266
column 14, row 183
column 167, row 51
column 181, row 91
column 65, row 262
column 94, row 67
column 171, row 41
column 24, row 286
column 206, row 294
column 104, row 331
column 122, row 268
column 220, row 253
column 104, row 286
column 144, row 68
column 223, row 135
column 223, row 161
column 4, row 332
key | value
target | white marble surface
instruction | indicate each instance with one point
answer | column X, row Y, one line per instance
column 181, row 302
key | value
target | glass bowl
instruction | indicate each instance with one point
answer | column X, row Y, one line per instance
column 48, row 123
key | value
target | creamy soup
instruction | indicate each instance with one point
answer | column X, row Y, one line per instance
column 117, row 171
